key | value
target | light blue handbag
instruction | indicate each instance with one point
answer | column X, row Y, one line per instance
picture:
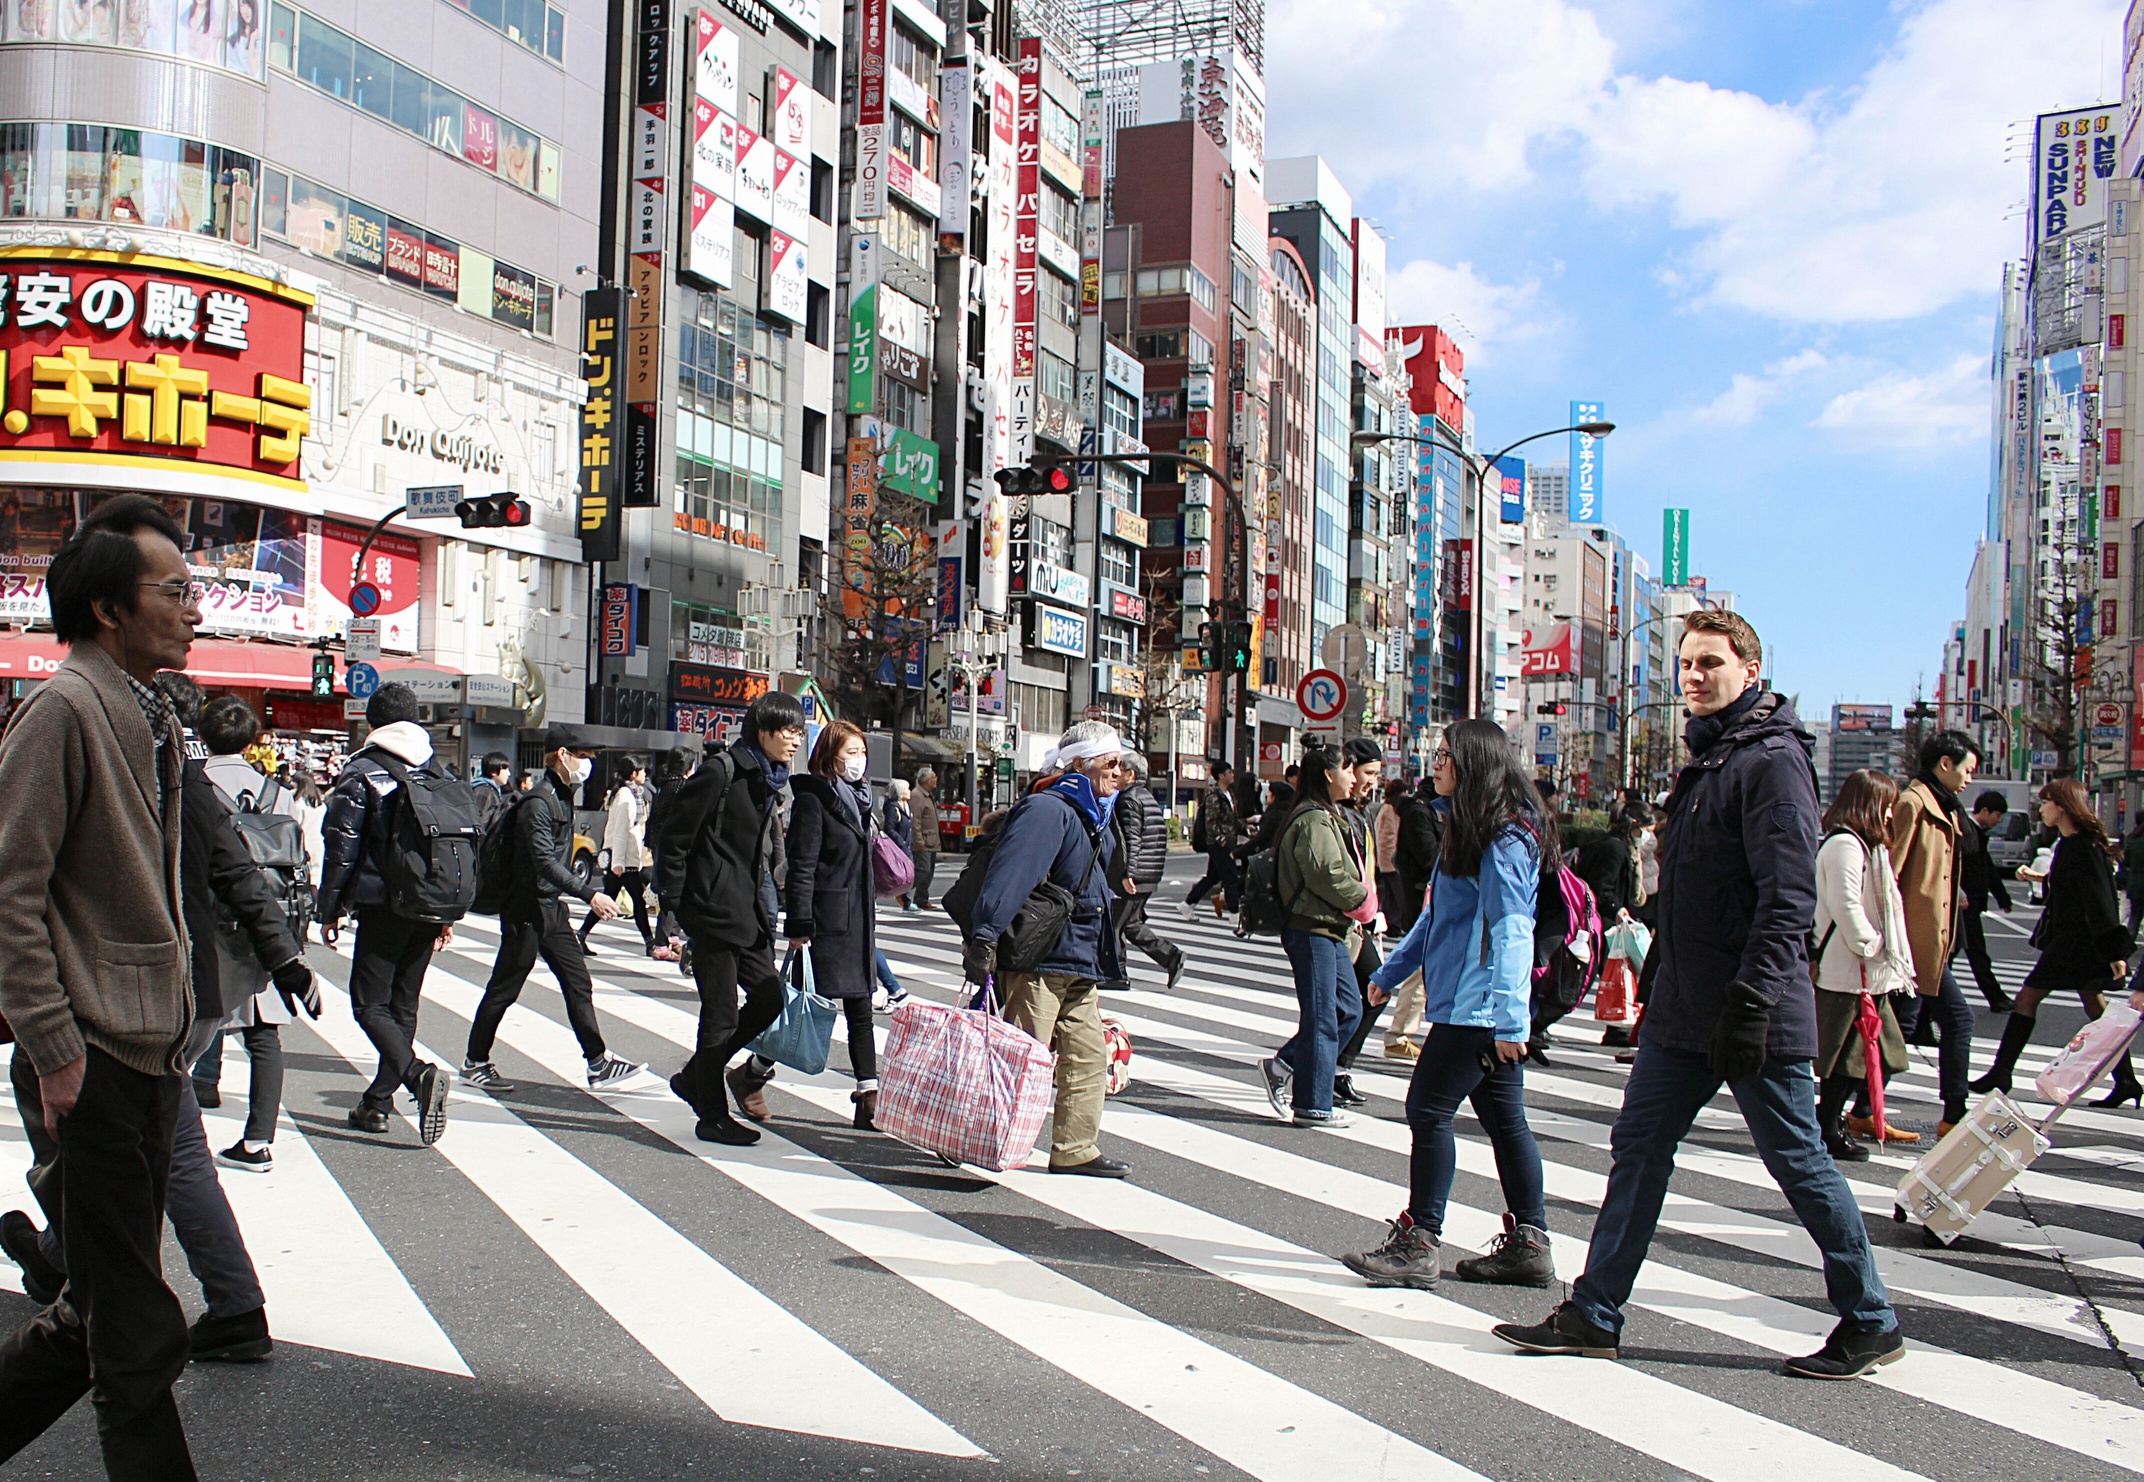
column 804, row 1034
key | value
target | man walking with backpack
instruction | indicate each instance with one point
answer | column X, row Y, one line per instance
column 1732, row 1002
column 494, row 788
column 366, row 873
column 1217, row 830
column 534, row 922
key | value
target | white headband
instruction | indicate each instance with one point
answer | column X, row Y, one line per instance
column 1109, row 743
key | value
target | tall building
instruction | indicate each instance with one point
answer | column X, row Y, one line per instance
column 1289, row 434
column 296, row 264
column 1442, row 565
column 1548, row 491
column 1861, row 736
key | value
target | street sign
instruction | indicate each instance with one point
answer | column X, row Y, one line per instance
column 1345, row 649
column 1321, row 696
column 2106, row 735
column 364, row 599
column 361, row 680
column 432, row 502
column 353, row 710
column 1545, row 761
column 1545, row 734
column 361, row 641
column 1323, row 731
column 2107, row 715
column 2046, row 761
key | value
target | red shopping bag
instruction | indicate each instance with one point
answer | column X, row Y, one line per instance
column 965, row 1084
column 1612, row 1001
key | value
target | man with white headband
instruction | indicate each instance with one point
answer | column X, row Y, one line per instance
column 1060, row 832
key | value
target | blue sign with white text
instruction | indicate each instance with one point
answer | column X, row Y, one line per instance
column 1586, row 484
column 1512, row 473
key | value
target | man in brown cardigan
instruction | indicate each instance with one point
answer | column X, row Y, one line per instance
column 96, row 984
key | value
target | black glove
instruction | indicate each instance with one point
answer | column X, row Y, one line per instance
column 295, row 981
column 1738, row 1042
column 978, row 960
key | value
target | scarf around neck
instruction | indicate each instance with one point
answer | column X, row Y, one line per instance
column 1704, row 731
column 777, row 773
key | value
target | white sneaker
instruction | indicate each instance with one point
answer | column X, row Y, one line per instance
column 1328, row 1120
column 1183, row 909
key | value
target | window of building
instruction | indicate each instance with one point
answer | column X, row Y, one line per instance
column 1115, row 642
column 1183, row 278
column 1059, row 127
column 732, row 382
column 336, row 63
column 917, row 143
column 202, row 34
column 1054, row 376
column 1118, row 562
column 1056, row 298
column 905, row 407
column 1120, row 410
column 1166, row 405
column 907, row 233
column 88, row 172
column 529, row 23
column 818, row 315
column 1183, row 343
column 914, row 57
column 813, row 454
column 1060, row 215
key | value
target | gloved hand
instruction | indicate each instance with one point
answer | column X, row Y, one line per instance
column 300, row 989
column 978, row 960
column 1738, row 1041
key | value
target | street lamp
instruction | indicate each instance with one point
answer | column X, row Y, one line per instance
column 1477, row 626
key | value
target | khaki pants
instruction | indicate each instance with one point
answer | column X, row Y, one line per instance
column 1405, row 1020
column 1065, row 1013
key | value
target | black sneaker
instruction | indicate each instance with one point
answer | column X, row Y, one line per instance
column 236, row 1156
column 1520, row 1257
column 368, row 1119
column 726, row 1130
column 1344, row 1092
column 41, row 1280
column 1098, row 1166
column 434, row 1083
column 484, row 1076
column 1564, row 1332
column 230, row 1340
column 610, row 1071
column 1277, row 1076
column 1407, row 1258
column 1176, row 974
column 1849, row 1355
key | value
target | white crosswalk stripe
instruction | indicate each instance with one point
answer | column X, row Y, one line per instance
column 1197, row 1309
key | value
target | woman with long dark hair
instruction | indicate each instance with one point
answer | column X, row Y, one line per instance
column 2083, row 944
column 1862, row 955
column 831, row 898
column 1319, row 874
column 1474, row 946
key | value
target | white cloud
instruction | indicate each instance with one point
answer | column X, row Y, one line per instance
column 1747, row 395
column 1884, row 202
column 1948, row 405
column 1468, row 306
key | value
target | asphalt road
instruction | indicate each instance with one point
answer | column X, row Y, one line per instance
column 571, row 1286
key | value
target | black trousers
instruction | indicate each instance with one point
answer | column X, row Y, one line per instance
column 523, row 938
column 725, row 1029
column 117, row 1333
column 1976, row 954
column 387, row 966
column 627, row 888
column 1133, row 927
column 926, row 866
column 1222, row 872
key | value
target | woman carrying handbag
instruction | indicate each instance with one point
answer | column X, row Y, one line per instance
column 2083, row 944
column 830, row 896
column 1861, row 957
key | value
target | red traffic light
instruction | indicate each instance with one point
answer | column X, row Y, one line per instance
column 1036, row 478
column 494, row 512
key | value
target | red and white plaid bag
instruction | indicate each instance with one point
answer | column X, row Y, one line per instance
column 964, row 1084
column 1119, row 1041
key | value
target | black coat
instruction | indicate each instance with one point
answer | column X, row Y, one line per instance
column 1982, row 879
column 830, row 895
column 215, row 868
column 543, row 849
column 2080, row 935
column 719, row 838
column 1421, row 836
column 899, row 822
column 1738, row 885
column 1608, row 866
column 1145, row 837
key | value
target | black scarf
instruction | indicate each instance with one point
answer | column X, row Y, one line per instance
column 1704, row 731
column 1944, row 795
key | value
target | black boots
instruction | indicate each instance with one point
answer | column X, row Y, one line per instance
column 2017, row 1032
column 1830, row 1112
column 2125, row 1086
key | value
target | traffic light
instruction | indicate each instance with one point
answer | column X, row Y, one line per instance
column 493, row 512
column 1213, row 641
column 1236, row 651
column 1555, row 709
column 323, row 676
column 1036, row 478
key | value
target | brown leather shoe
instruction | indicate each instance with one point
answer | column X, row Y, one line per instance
column 866, row 1108
column 746, row 1085
column 1866, row 1127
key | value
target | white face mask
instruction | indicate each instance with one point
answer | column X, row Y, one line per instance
column 853, row 768
column 579, row 769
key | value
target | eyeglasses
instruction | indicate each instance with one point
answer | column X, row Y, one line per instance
column 791, row 733
column 1441, row 757
column 184, row 589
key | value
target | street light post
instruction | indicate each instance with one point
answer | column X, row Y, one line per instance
column 1477, row 620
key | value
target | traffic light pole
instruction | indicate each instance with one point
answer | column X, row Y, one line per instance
column 365, row 549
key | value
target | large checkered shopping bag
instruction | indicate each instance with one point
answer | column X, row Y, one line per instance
column 964, row 1084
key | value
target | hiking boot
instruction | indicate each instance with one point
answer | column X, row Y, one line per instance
column 1407, row 1258
column 1849, row 1355
column 747, row 1084
column 1564, row 1331
column 1520, row 1257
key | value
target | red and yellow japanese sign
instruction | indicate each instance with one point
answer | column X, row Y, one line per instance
column 151, row 362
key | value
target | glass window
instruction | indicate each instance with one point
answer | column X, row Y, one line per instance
column 1054, row 377
column 1057, row 298
column 1117, row 565
column 325, row 56
column 554, row 39
column 282, row 37
column 1060, row 215
column 411, row 110
column 1059, row 127
column 372, row 80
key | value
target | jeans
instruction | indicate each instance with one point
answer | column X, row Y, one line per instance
column 1954, row 1042
column 1367, row 961
column 723, row 1031
column 387, row 964
column 522, row 939
column 883, row 971
column 1328, row 1006
column 1667, row 1089
column 1448, row 1073
column 1221, row 873
column 117, row 1333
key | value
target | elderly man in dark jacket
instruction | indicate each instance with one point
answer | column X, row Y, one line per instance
column 1061, row 833
column 1732, row 1002
column 1144, row 835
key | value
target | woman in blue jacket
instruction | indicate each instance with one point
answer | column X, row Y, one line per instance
column 1474, row 946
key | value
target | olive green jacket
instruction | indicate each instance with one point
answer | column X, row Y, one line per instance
column 1318, row 870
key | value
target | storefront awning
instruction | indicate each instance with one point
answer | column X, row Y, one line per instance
column 212, row 663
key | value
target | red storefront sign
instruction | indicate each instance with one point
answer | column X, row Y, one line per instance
column 703, row 684
column 151, row 362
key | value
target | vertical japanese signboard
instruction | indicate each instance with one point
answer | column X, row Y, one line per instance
column 956, row 154
column 710, row 242
column 602, row 318
column 1675, row 547
column 868, row 203
column 640, row 483
column 1586, row 484
column 1027, row 220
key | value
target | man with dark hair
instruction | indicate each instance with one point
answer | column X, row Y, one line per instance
column 97, row 987
column 493, row 785
column 1218, row 831
column 1145, row 852
column 1732, row 1002
column 715, row 860
column 392, row 952
column 1983, row 882
column 535, row 922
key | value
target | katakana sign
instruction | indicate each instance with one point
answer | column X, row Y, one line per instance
column 151, row 362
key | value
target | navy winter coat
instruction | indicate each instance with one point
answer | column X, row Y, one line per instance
column 1046, row 836
column 1738, row 885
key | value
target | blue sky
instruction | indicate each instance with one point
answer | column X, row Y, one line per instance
column 1767, row 233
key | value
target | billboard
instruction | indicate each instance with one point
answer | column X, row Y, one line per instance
column 1586, row 485
column 602, row 316
column 1550, row 651
column 2073, row 159
column 1436, row 367
column 1675, row 547
column 1511, row 472
column 1861, row 717
column 1369, row 295
column 868, row 201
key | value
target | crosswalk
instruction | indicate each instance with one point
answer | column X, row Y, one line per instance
column 834, row 1285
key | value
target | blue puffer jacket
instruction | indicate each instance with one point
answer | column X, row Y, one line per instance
column 1051, row 835
column 1474, row 941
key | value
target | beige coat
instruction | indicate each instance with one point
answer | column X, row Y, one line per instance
column 1924, row 851
column 91, row 935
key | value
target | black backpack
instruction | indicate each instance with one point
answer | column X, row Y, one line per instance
column 1259, row 912
column 277, row 843
column 495, row 858
column 429, row 862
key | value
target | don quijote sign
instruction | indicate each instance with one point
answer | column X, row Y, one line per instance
column 460, row 450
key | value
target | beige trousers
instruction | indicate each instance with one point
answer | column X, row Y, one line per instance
column 1065, row 1013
